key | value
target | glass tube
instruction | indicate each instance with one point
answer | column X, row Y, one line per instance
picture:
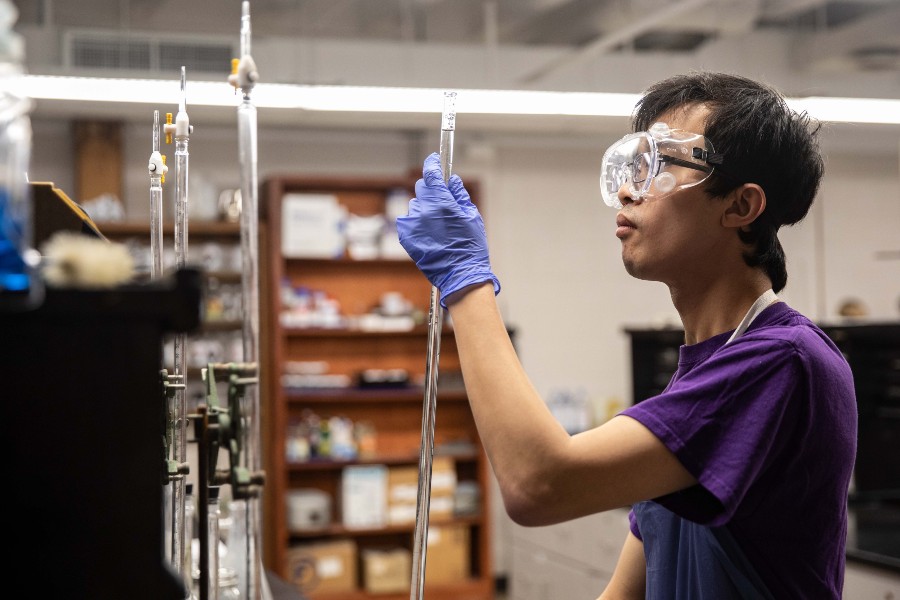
column 429, row 408
column 245, row 28
column 250, row 309
column 179, row 409
column 250, row 569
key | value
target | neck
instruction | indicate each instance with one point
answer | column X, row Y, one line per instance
column 707, row 311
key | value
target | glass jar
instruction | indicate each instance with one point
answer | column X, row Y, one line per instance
column 229, row 588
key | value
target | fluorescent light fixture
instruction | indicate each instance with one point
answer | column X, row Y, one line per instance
column 325, row 97
column 849, row 110
column 404, row 100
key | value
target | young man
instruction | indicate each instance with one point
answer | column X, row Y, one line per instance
column 738, row 472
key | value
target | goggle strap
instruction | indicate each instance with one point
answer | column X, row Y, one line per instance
column 713, row 158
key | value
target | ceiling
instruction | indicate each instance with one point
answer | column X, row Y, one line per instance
column 864, row 34
column 805, row 47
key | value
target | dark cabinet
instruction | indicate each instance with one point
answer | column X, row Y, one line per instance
column 83, row 426
column 873, row 351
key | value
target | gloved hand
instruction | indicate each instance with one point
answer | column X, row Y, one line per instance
column 444, row 233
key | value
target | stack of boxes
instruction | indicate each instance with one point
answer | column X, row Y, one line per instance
column 403, row 487
column 377, row 496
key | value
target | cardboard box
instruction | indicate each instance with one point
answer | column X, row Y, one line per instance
column 324, row 566
column 403, row 486
column 448, row 555
column 387, row 571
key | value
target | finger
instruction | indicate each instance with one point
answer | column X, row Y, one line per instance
column 436, row 193
column 460, row 194
column 431, row 171
column 414, row 207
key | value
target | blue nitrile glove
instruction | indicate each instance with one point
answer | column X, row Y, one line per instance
column 444, row 233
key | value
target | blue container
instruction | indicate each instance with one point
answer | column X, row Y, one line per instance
column 18, row 285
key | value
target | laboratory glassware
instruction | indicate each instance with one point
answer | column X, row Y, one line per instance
column 429, row 407
column 244, row 77
column 157, row 169
column 180, row 130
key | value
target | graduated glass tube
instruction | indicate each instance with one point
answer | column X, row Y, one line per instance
column 182, row 131
column 250, row 571
column 429, row 408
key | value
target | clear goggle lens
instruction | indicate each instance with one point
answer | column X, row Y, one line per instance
column 654, row 163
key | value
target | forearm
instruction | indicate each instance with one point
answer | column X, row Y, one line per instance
column 519, row 434
column 629, row 580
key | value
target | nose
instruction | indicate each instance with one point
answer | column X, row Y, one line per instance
column 626, row 193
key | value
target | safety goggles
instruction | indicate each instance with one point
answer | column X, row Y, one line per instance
column 656, row 162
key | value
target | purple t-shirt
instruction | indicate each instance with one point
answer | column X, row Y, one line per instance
column 767, row 424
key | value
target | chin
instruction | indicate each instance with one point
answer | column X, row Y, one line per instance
column 630, row 267
column 634, row 269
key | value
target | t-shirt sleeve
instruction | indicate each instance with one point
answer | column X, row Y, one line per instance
column 724, row 420
column 634, row 526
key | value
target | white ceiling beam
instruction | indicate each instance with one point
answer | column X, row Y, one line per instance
column 618, row 36
column 544, row 23
column 782, row 9
column 725, row 17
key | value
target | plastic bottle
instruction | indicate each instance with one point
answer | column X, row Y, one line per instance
column 19, row 287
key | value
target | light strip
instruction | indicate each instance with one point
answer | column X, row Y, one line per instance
column 406, row 100
column 849, row 110
column 326, row 98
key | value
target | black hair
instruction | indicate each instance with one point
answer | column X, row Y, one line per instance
column 761, row 140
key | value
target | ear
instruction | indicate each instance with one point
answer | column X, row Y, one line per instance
column 745, row 204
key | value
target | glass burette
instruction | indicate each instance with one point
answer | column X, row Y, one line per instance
column 181, row 131
column 249, row 557
column 435, row 320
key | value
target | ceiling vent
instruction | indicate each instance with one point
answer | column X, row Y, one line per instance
column 104, row 50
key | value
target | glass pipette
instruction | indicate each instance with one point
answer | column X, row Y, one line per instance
column 435, row 320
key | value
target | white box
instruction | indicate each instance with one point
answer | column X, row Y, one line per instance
column 312, row 226
column 364, row 496
column 308, row 509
